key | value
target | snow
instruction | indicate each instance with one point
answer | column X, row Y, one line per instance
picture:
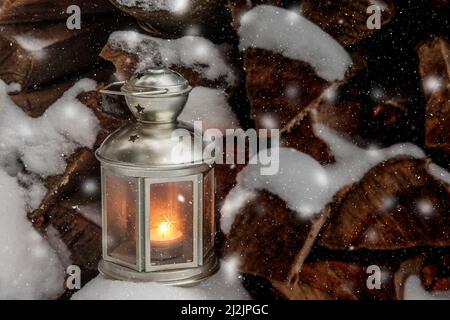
column 439, row 173
column 425, row 208
column 306, row 185
column 288, row 33
column 236, row 199
column 55, row 241
column 32, row 149
column 269, row 121
column 90, row 186
column 196, row 53
column 39, row 143
column 31, row 43
column 224, row 285
column 211, row 107
column 371, row 235
column 175, row 6
column 91, row 211
column 381, row 4
column 433, row 84
column 415, row 291
column 29, row 268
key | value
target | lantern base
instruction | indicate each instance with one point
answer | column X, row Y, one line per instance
column 178, row 277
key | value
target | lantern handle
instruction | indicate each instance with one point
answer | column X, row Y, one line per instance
column 120, row 93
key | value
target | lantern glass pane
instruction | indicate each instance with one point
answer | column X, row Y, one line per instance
column 171, row 223
column 121, row 208
column 208, row 212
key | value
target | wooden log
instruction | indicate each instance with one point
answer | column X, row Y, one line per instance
column 435, row 271
column 269, row 238
column 346, row 20
column 35, row 101
column 124, row 62
column 344, row 108
column 81, row 236
column 336, row 280
column 434, row 68
column 33, row 55
column 208, row 18
column 433, row 268
column 279, row 89
column 398, row 204
column 409, row 267
column 347, row 277
column 79, row 164
column 20, row 11
column 300, row 136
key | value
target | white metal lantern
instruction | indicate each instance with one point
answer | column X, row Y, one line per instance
column 158, row 204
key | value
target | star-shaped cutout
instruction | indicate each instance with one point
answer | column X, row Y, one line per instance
column 133, row 138
column 139, row 109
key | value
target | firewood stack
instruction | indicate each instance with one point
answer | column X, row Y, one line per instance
column 395, row 215
column 327, row 256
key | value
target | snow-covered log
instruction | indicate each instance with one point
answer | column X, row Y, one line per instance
column 398, row 204
column 32, row 55
column 79, row 165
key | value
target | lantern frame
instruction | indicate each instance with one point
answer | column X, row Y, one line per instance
column 203, row 263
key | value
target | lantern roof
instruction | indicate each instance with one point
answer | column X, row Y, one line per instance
column 155, row 97
column 153, row 146
column 161, row 81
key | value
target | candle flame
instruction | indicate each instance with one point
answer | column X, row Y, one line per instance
column 165, row 228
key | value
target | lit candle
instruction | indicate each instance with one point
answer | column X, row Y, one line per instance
column 165, row 241
column 165, row 234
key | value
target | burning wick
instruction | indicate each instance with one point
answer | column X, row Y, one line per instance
column 165, row 231
column 165, row 241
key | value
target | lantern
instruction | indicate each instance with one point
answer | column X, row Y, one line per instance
column 157, row 190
